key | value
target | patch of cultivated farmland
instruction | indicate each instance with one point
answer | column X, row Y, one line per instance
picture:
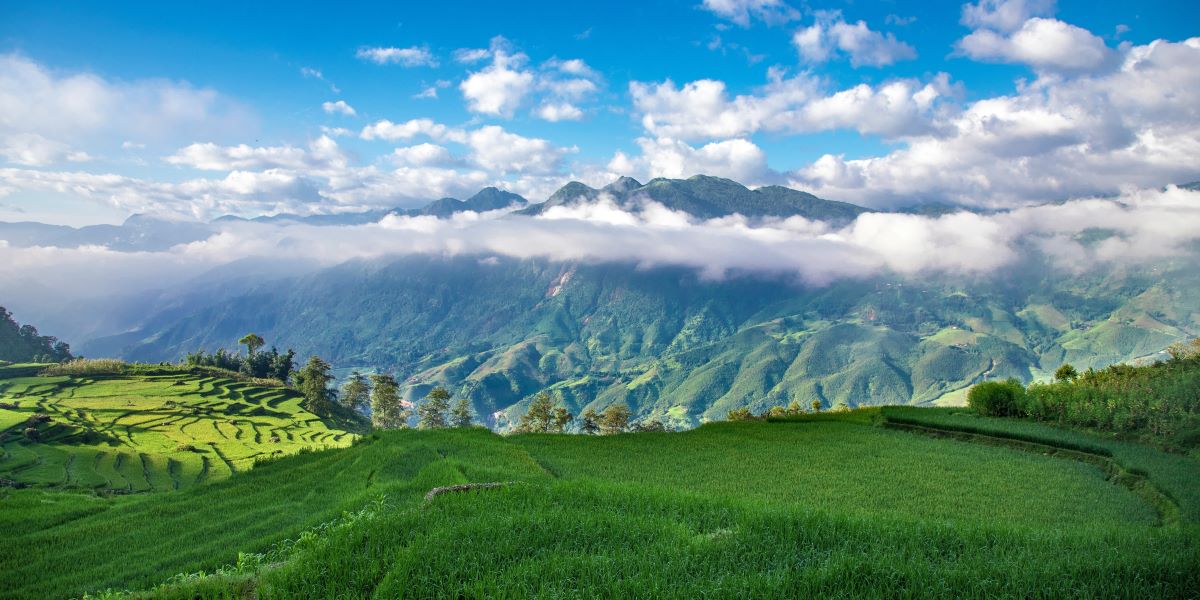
column 148, row 432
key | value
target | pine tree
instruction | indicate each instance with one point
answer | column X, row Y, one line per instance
column 461, row 415
column 387, row 412
column 542, row 417
column 590, row 422
column 355, row 392
column 614, row 419
column 431, row 414
column 313, row 381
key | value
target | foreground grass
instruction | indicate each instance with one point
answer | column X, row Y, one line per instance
column 87, row 543
column 848, row 468
column 149, row 432
column 1176, row 475
column 835, row 507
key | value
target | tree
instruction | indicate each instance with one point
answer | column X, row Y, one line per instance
column 387, row 411
column 794, row 408
column 739, row 414
column 355, row 392
column 998, row 398
column 431, row 414
column 559, row 419
column 1066, row 373
column 540, row 417
column 614, row 419
column 313, row 381
column 460, row 416
column 282, row 365
column 816, row 405
column 252, row 342
column 648, row 426
column 589, row 422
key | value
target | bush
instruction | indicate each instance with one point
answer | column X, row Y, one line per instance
column 998, row 398
column 88, row 366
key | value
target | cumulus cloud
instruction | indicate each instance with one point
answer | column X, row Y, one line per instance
column 1004, row 15
column 389, row 131
column 1136, row 125
column 31, row 149
column 405, row 57
column 424, row 154
column 738, row 159
column 497, row 150
column 1044, row 44
column 322, row 153
column 559, row 111
column 703, row 110
column 831, row 35
column 340, row 107
column 741, row 12
column 47, row 117
column 508, row 83
column 501, row 87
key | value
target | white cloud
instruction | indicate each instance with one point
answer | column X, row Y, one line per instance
column 387, row 130
column 702, row 109
column 1004, row 15
column 48, row 117
column 311, row 73
column 830, row 34
column 405, row 57
column 1044, row 44
column 471, row 55
column 34, row 150
column 322, row 153
column 497, row 150
column 737, row 159
column 773, row 12
column 430, row 92
column 500, row 88
column 424, row 154
column 339, row 107
column 1149, row 225
column 1138, row 125
column 559, row 111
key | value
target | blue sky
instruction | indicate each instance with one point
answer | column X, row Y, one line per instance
column 590, row 80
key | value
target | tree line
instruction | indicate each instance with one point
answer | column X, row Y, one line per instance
column 23, row 343
column 1159, row 402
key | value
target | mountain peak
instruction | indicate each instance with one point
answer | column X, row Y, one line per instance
column 622, row 185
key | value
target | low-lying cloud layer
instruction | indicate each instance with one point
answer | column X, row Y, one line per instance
column 1136, row 227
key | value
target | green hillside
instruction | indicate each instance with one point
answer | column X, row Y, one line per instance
column 684, row 350
column 150, row 432
column 831, row 505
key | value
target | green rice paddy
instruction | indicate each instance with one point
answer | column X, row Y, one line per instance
column 148, row 432
column 831, row 505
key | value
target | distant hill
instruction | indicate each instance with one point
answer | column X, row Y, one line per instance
column 707, row 197
column 484, row 200
column 681, row 349
column 23, row 343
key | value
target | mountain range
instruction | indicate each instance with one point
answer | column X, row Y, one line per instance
column 672, row 344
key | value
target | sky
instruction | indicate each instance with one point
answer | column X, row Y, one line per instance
column 198, row 110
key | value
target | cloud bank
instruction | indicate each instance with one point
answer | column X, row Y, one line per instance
column 1135, row 228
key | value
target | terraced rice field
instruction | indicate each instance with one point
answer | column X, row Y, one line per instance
column 149, row 432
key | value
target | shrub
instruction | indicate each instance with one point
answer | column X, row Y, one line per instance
column 739, row 414
column 998, row 398
column 185, row 448
column 88, row 366
column 33, row 433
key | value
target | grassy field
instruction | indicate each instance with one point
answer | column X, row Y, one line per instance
column 832, row 506
column 148, row 432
